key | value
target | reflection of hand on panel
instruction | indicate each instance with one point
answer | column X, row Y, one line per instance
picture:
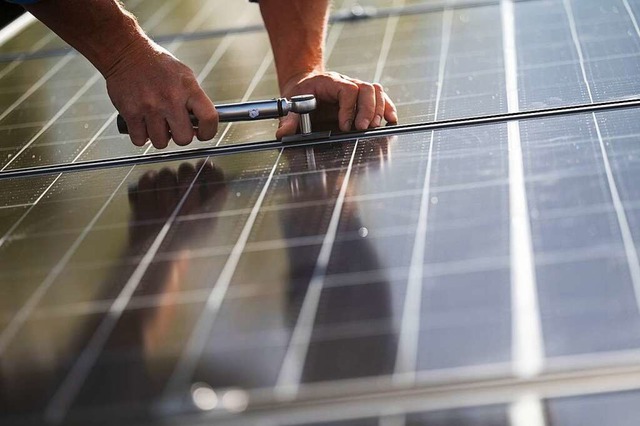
column 153, row 200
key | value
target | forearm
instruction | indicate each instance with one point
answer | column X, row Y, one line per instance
column 297, row 31
column 101, row 30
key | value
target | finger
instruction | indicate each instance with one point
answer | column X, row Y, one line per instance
column 182, row 131
column 158, row 131
column 206, row 113
column 347, row 100
column 288, row 125
column 390, row 111
column 380, row 106
column 332, row 87
column 137, row 131
column 366, row 105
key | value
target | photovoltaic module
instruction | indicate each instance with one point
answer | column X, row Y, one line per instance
column 482, row 273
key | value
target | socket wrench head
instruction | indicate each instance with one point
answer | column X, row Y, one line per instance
column 303, row 104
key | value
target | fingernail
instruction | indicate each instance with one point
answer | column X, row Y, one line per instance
column 363, row 124
column 377, row 121
column 348, row 124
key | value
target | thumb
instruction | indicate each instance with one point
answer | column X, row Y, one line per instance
column 288, row 125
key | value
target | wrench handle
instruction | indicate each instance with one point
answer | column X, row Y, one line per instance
column 246, row 111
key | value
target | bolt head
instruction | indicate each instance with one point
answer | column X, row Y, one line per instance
column 303, row 104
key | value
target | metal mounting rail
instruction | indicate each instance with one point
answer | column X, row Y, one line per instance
column 308, row 142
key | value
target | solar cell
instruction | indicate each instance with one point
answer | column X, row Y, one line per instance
column 619, row 408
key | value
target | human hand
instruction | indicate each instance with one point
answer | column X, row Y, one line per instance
column 360, row 105
column 155, row 92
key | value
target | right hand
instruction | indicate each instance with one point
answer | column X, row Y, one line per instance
column 155, row 92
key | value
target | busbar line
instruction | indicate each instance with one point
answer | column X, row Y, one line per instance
column 19, row 60
column 262, row 69
column 625, row 230
column 85, row 87
column 632, row 16
column 341, row 137
column 38, row 84
column 527, row 340
column 61, row 401
column 407, row 356
column 9, row 332
column 291, row 371
column 527, row 410
column 389, row 33
column 19, row 221
column 198, row 339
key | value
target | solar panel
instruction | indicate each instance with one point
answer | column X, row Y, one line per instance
column 477, row 273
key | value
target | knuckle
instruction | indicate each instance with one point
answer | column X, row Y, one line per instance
column 169, row 100
column 351, row 88
column 147, row 101
column 131, row 113
column 368, row 87
column 146, row 106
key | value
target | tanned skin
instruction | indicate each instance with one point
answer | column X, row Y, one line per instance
column 155, row 92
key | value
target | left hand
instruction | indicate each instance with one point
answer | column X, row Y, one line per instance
column 361, row 105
